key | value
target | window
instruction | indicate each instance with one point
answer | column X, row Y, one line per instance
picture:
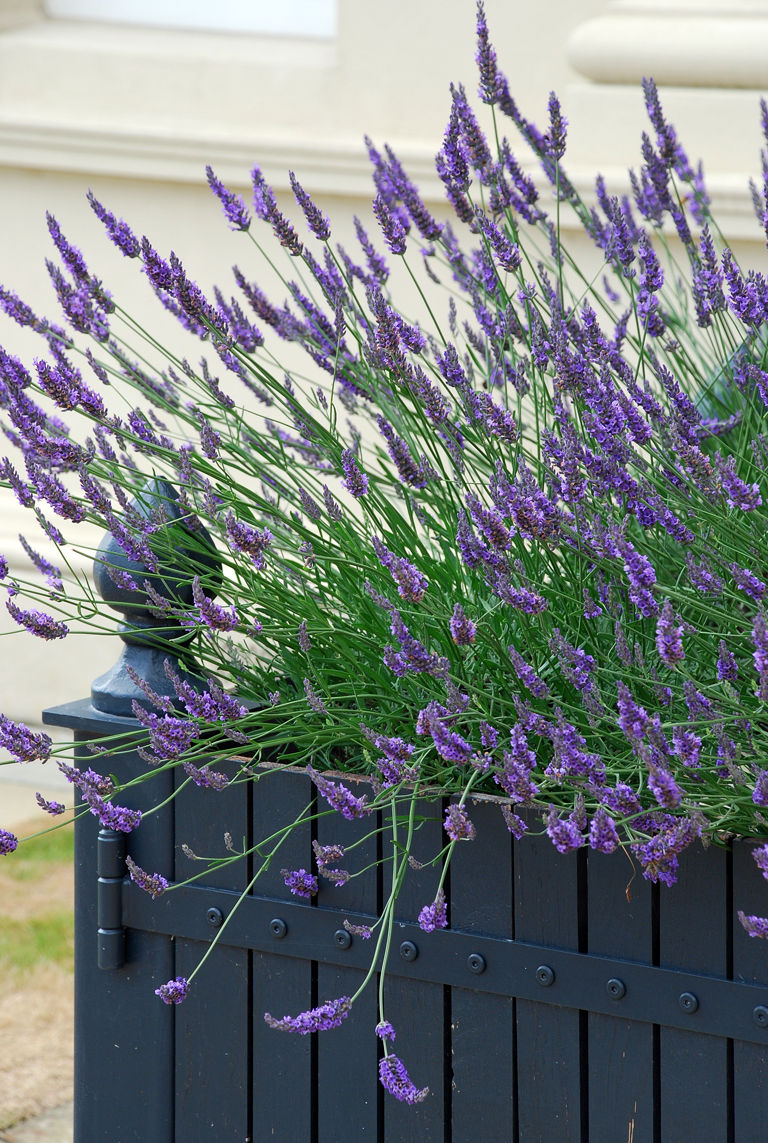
column 316, row 18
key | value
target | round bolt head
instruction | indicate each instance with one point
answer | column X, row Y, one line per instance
column 688, row 1002
column 476, row 963
column 545, row 975
column 760, row 1016
column 616, row 989
column 278, row 928
column 215, row 917
column 408, row 950
column 342, row 939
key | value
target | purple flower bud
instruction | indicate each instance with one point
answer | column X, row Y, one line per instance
column 37, row 622
column 434, row 916
column 397, row 1082
column 362, row 931
column 52, row 808
column 602, row 832
column 527, row 675
column 174, row 991
column 664, row 788
column 564, row 834
column 669, row 637
column 755, row 926
column 411, row 584
column 21, row 743
column 153, row 883
column 119, row 232
column 320, row 1019
column 457, row 825
column 391, row 226
column 760, row 856
column 8, row 842
column 727, row 668
column 300, row 883
column 316, row 221
column 385, row 1031
column 687, row 746
column 515, row 823
column 304, row 640
column 339, row 797
column 463, row 630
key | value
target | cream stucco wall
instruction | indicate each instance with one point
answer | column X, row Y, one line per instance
column 135, row 113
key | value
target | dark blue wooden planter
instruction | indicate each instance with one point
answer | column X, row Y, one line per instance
column 552, row 1011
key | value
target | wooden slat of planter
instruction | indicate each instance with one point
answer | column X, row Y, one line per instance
column 750, row 965
column 351, row 1050
column 415, row 1008
column 483, row 1025
column 121, row 1092
column 694, row 936
column 212, row 1065
column 548, row 1038
column 620, row 1050
column 283, row 1080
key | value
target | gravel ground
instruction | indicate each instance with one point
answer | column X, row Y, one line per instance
column 52, row 1127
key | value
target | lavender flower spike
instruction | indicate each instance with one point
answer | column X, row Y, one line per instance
column 397, row 1082
column 154, row 883
column 8, row 842
column 316, row 221
column 37, row 622
column 355, row 481
column 669, row 641
column 174, row 991
column 463, row 630
column 300, row 883
column 21, row 743
column 457, row 825
column 320, row 1019
column 52, row 808
column 232, row 204
column 391, row 226
column 385, row 1031
column 755, row 926
column 434, row 916
column 339, row 797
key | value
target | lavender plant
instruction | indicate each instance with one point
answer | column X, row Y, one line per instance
column 511, row 549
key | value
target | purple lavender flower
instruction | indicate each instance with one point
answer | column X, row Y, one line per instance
column 205, row 777
column 434, row 916
column 727, row 667
column 633, row 719
column 489, row 736
column 316, row 220
column 52, row 808
column 411, row 584
column 602, row 832
column 300, row 883
column 320, row 1019
column 745, row 497
column 515, row 823
column 687, row 746
column 340, row 798
column 355, row 481
column 622, row 799
column 119, row 818
column 576, row 665
column 331, row 506
column 174, row 991
column 669, row 637
column 463, row 630
column 659, row 855
column 119, row 232
column 244, row 538
column 21, row 743
column 385, row 1031
column 755, row 926
column 760, row 653
column 8, row 842
column 664, row 788
column 391, row 226
column 327, row 854
column 397, row 1082
column 457, row 825
column 304, row 640
column 702, row 577
column 641, row 577
column 760, row 792
column 591, row 607
column 313, row 698
column 153, row 883
column 565, row 835
column 168, row 736
column 37, row 622
column 362, row 931
column 211, row 614
column 760, row 857
column 527, row 675
column 748, row 582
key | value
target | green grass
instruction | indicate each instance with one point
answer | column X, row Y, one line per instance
column 48, row 938
column 34, row 858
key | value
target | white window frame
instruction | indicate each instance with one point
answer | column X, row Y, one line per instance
column 311, row 18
